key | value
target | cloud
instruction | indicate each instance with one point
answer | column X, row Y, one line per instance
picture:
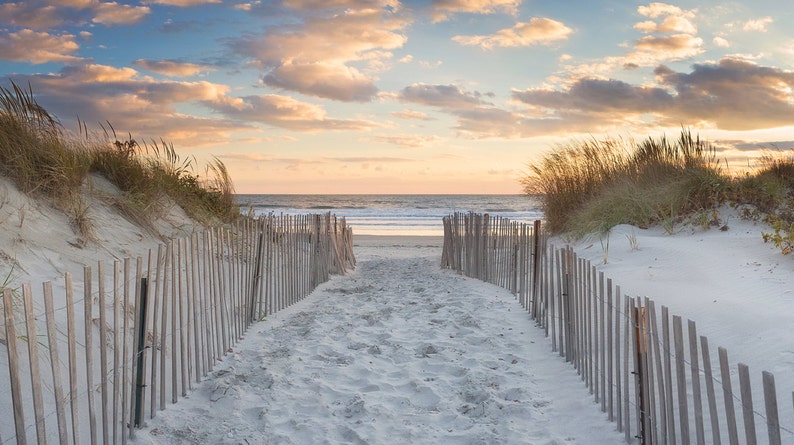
column 669, row 24
column 38, row 47
column 442, row 9
column 670, row 36
column 369, row 159
column 311, row 5
column 112, row 13
column 596, row 95
column 31, row 15
column 731, row 95
column 285, row 112
column 412, row 115
column 407, row 141
column 315, row 57
column 172, row 67
column 334, row 81
column 759, row 25
column 133, row 103
column 442, row 96
column 183, row 3
column 754, row 146
column 677, row 46
column 721, row 42
column 538, row 31
column 658, row 9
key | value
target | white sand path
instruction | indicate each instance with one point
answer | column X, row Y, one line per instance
column 397, row 352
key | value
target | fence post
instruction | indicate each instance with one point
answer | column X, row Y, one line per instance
column 535, row 262
column 13, row 367
column 141, row 331
column 638, row 318
column 257, row 278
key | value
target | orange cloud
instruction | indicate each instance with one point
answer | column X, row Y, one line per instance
column 315, row 57
column 38, row 47
column 412, row 115
column 407, row 141
column 335, row 81
column 442, row 9
column 30, row 15
column 286, row 112
column 538, row 31
column 671, row 39
column 172, row 67
column 112, row 13
column 657, row 9
column 759, row 25
column 183, row 3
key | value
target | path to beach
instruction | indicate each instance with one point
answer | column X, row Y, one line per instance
column 397, row 352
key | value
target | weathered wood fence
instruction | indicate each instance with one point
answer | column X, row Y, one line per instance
column 655, row 380
column 89, row 359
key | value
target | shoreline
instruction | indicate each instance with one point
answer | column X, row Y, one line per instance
column 397, row 240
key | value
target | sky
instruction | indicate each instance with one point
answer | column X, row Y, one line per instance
column 389, row 96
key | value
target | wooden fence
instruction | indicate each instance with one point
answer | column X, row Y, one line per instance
column 121, row 343
column 655, row 380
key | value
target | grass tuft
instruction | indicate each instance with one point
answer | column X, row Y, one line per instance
column 37, row 156
column 591, row 186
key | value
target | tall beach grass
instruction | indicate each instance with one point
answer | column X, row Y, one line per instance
column 41, row 160
column 592, row 185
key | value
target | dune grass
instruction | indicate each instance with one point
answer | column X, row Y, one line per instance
column 588, row 187
column 41, row 160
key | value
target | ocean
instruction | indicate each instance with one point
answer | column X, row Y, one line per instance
column 412, row 215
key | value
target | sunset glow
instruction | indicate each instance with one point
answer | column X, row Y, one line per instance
column 384, row 96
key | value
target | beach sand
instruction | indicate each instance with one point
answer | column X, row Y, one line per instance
column 399, row 351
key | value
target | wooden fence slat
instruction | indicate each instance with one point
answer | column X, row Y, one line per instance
column 668, row 376
column 13, row 366
column 657, row 352
column 155, row 333
column 117, row 383
column 747, row 404
column 103, row 351
column 618, row 375
column 134, row 352
column 627, row 334
column 182, row 322
column 55, row 363
column 712, row 399
column 727, row 391
column 187, row 322
column 124, row 350
column 770, row 403
column 197, row 326
column 683, row 411
column 167, row 284
column 33, row 358
column 89, row 352
column 696, row 394
column 72, row 343
column 649, row 372
column 175, row 265
column 610, row 357
column 602, row 356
